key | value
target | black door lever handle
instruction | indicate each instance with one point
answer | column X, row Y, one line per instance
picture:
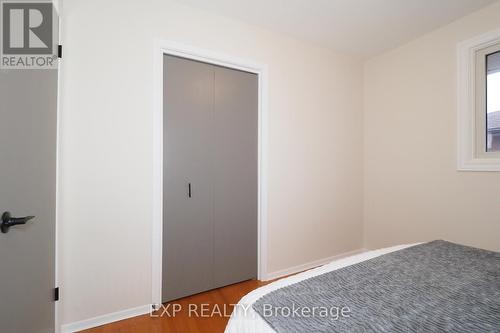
column 9, row 221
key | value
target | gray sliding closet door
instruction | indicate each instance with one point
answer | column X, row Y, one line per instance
column 187, row 221
column 235, row 176
column 210, row 177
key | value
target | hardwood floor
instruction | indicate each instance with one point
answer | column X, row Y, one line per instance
column 217, row 302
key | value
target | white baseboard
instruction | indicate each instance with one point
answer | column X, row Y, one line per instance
column 140, row 310
column 309, row 265
column 105, row 319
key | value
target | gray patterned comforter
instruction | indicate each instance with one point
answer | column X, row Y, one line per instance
column 433, row 287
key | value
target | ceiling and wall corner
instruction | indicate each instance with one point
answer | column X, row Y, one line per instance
column 361, row 28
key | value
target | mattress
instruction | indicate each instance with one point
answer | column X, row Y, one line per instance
column 245, row 320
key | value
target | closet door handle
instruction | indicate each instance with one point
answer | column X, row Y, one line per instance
column 189, row 190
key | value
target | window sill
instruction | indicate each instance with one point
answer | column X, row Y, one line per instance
column 479, row 164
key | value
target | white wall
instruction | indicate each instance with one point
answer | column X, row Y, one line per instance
column 413, row 191
column 106, row 170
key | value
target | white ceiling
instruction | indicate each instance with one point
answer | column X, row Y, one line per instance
column 358, row 27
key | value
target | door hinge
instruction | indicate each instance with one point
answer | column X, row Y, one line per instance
column 56, row 294
column 59, row 51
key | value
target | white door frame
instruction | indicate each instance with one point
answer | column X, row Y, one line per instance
column 57, row 247
column 162, row 47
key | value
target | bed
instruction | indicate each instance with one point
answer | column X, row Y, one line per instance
column 248, row 318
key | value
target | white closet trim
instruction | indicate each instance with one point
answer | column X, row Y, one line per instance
column 162, row 47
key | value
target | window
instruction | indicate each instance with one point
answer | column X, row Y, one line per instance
column 479, row 103
column 493, row 102
column 487, row 96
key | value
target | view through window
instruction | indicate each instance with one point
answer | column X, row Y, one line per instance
column 493, row 102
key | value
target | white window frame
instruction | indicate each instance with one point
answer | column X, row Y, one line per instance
column 472, row 156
